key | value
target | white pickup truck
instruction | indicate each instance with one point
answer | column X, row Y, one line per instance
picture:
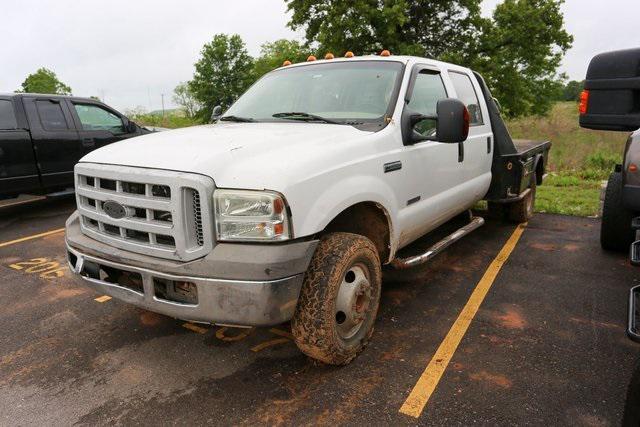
column 288, row 206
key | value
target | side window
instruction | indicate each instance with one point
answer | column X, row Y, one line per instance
column 467, row 94
column 94, row 117
column 51, row 115
column 7, row 115
column 427, row 91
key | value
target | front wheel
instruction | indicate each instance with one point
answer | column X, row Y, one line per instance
column 339, row 299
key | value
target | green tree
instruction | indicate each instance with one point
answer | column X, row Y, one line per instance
column 184, row 97
column 414, row 27
column 572, row 90
column 273, row 55
column 44, row 81
column 222, row 73
column 518, row 52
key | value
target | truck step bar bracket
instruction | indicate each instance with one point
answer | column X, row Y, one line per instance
column 403, row 263
column 634, row 315
column 635, row 224
column 635, row 253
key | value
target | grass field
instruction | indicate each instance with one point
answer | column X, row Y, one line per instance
column 580, row 160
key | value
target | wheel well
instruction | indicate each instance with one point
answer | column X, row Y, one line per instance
column 539, row 171
column 368, row 219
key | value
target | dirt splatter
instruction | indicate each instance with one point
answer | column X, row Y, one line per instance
column 511, row 319
column 148, row 318
column 544, row 246
column 591, row 322
column 571, row 247
column 492, row 379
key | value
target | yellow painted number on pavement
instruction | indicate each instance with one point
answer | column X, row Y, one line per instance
column 44, row 267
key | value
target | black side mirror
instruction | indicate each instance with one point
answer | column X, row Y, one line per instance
column 452, row 123
column 131, row 127
column 217, row 112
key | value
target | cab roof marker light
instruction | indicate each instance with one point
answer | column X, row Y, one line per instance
column 286, row 63
column 385, row 53
column 311, row 58
column 349, row 54
column 329, row 55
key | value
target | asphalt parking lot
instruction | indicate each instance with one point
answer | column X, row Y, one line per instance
column 546, row 346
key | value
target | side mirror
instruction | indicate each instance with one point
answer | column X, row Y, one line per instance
column 451, row 123
column 131, row 127
column 215, row 115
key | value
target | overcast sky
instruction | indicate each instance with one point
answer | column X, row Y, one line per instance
column 130, row 52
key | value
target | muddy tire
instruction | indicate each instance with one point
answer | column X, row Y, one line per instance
column 339, row 299
column 616, row 233
column 522, row 210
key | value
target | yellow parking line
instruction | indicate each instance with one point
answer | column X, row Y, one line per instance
column 280, row 332
column 35, row 236
column 195, row 328
column 428, row 381
column 103, row 298
column 269, row 343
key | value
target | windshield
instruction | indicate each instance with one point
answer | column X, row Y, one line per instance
column 343, row 92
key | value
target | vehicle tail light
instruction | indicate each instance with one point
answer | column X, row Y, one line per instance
column 584, row 102
column 633, row 168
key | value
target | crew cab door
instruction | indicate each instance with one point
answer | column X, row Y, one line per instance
column 97, row 124
column 55, row 140
column 437, row 176
column 18, row 170
column 476, row 153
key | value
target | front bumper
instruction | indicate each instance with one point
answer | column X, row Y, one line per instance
column 263, row 293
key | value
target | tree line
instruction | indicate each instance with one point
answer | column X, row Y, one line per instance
column 518, row 49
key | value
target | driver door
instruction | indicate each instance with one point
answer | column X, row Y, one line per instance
column 97, row 125
column 435, row 167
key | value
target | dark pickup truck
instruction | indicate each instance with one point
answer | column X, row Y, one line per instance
column 42, row 137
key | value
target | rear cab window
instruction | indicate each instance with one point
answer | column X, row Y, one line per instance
column 7, row 115
column 467, row 94
column 51, row 115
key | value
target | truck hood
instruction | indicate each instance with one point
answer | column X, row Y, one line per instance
column 236, row 155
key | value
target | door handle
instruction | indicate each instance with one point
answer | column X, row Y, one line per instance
column 88, row 142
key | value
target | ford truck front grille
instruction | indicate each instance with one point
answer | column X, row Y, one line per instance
column 154, row 212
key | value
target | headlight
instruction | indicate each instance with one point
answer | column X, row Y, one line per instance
column 243, row 215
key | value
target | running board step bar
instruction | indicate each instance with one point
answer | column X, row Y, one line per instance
column 402, row 263
column 633, row 328
column 635, row 253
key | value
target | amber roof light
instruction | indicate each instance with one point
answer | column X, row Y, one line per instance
column 349, row 54
column 285, row 63
column 311, row 58
column 329, row 56
column 385, row 53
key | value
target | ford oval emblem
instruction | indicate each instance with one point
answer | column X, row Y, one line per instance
column 114, row 209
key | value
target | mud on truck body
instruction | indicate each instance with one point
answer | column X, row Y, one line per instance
column 288, row 206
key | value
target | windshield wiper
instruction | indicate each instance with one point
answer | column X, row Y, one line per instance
column 305, row 117
column 236, row 119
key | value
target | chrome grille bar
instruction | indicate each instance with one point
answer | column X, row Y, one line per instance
column 165, row 213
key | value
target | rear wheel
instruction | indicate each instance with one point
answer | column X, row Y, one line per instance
column 339, row 299
column 616, row 233
column 522, row 210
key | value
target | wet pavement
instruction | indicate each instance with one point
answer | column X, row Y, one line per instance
column 547, row 345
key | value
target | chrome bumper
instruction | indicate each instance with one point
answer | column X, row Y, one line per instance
column 219, row 301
